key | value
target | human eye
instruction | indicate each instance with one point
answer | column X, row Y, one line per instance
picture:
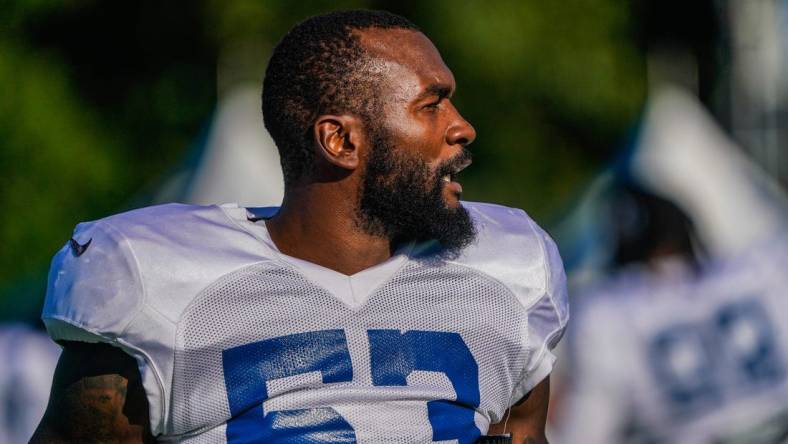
column 434, row 105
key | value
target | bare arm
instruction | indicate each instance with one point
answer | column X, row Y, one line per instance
column 97, row 396
column 527, row 420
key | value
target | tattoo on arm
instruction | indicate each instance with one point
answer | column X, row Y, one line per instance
column 97, row 396
column 96, row 406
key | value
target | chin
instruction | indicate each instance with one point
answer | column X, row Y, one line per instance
column 454, row 204
column 452, row 200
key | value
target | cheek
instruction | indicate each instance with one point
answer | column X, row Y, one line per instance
column 420, row 135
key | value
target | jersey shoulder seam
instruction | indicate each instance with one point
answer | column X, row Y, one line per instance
column 546, row 284
column 137, row 274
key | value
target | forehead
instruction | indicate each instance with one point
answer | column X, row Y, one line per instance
column 409, row 56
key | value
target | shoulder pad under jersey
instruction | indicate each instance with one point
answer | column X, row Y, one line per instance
column 513, row 249
column 126, row 279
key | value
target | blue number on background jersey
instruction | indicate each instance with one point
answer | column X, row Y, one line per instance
column 683, row 361
column 393, row 356
column 248, row 367
column 752, row 343
column 699, row 365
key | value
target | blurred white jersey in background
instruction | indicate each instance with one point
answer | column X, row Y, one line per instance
column 28, row 360
column 683, row 358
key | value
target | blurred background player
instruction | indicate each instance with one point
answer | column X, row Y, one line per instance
column 673, row 342
column 675, row 348
column 680, row 327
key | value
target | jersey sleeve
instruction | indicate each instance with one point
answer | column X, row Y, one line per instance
column 93, row 296
column 98, row 296
column 547, row 319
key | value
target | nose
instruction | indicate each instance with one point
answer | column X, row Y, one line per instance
column 460, row 131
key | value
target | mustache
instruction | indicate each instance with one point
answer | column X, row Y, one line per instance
column 449, row 166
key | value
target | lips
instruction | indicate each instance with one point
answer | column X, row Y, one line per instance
column 449, row 171
column 453, row 167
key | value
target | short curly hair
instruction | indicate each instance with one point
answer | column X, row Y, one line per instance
column 319, row 67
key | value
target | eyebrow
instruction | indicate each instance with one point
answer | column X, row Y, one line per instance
column 441, row 90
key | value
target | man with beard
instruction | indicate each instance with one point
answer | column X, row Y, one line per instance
column 372, row 306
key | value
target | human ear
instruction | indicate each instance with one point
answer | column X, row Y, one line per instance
column 337, row 138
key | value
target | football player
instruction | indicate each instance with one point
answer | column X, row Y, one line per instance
column 669, row 351
column 372, row 306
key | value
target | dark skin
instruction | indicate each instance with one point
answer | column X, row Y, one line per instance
column 316, row 222
column 97, row 397
column 527, row 419
column 420, row 117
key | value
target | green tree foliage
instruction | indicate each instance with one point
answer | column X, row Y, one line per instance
column 54, row 165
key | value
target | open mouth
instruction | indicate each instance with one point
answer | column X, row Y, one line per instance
column 455, row 170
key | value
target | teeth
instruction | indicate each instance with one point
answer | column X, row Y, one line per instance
column 446, row 178
column 463, row 166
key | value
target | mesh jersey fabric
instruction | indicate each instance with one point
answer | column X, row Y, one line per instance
column 234, row 338
column 696, row 359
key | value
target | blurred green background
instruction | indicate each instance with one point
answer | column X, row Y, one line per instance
column 102, row 99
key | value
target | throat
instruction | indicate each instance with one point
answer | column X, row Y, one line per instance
column 347, row 261
column 344, row 251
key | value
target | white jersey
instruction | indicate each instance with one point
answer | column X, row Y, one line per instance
column 27, row 363
column 237, row 342
column 694, row 359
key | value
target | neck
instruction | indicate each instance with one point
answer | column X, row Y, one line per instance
column 317, row 223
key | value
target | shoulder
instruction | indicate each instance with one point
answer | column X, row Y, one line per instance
column 171, row 222
column 111, row 267
column 508, row 231
column 165, row 225
column 126, row 279
column 513, row 249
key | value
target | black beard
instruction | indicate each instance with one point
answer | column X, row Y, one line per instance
column 402, row 200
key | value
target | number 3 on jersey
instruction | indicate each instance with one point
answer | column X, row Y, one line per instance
column 393, row 356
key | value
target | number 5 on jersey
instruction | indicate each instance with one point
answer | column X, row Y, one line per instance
column 393, row 356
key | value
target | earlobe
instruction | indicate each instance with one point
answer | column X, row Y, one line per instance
column 335, row 137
